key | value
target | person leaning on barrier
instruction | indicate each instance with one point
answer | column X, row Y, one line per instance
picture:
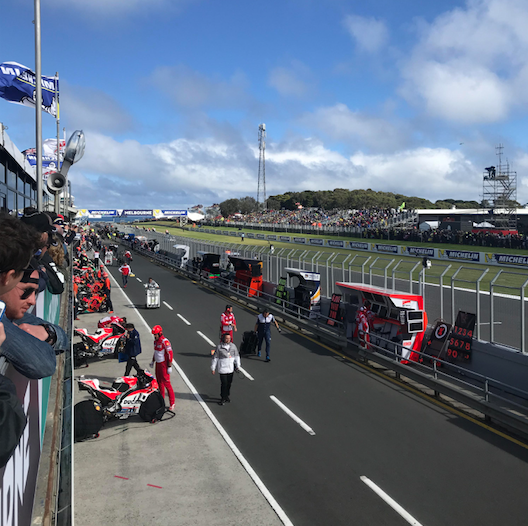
column 31, row 342
column 42, row 223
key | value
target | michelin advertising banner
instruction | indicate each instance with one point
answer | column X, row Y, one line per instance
column 510, row 260
column 168, row 213
column 17, row 85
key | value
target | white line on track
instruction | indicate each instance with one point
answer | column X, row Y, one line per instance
column 390, row 501
column 293, row 416
column 250, row 471
column 183, row 319
column 139, row 280
column 256, row 479
column 206, row 338
column 167, row 305
column 246, row 374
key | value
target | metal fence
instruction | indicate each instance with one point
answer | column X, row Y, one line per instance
column 497, row 301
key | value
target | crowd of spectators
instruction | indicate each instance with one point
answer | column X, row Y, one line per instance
column 317, row 217
column 33, row 258
column 377, row 224
column 454, row 237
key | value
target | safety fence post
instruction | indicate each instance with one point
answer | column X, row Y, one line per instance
column 442, row 291
column 453, row 277
column 477, row 290
column 523, row 324
column 411, row 277
column 363, row 269
column 370, row 270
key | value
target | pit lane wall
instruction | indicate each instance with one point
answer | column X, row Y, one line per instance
column 18, row 478
column 494, row 258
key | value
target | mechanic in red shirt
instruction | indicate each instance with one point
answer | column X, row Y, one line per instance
column 227, row 322
column 163, row 359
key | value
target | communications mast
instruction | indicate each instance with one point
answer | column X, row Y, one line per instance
column 261, row 186
column 500, row 193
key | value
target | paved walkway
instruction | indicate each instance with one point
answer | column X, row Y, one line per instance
column 176, row 472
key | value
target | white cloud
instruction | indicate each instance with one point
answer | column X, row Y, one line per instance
column 191, row 89
column 370, row 34
column 433, row 173
column 353, row 128
column 470, row 64
column 293, row 81
column 184, row 172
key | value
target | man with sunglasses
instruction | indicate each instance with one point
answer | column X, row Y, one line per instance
column 31, row 342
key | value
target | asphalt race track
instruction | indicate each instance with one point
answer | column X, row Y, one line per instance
column 439, row 467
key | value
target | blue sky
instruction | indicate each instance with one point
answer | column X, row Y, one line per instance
column 399, row 96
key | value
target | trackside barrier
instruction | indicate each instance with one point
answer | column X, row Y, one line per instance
column 465, row 290
column 495, row 400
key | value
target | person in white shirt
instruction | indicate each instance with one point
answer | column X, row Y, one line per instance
column 151, row 284
column 226, row 360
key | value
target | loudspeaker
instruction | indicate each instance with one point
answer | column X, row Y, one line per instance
column 56, row 182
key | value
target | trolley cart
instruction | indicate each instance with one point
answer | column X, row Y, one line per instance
column 153, row 298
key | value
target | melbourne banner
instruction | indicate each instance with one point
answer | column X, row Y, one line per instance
column 17, row 85
column 137, row 213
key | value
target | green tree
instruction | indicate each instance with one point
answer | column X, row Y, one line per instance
column 229, row 207
column 247, row 205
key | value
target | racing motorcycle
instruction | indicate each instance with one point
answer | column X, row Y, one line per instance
column 106, row 341
column 124, row 397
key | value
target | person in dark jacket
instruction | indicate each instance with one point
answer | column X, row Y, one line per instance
column 132, row 349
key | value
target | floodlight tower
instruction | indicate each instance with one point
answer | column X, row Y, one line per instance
column 261, row 186
column 500, row 193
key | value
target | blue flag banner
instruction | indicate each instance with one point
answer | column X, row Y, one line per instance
column 17, row 85
column 49, row 164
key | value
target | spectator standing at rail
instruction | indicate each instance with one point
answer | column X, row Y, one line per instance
column 132, row 349
column 227, row 322
column 125, row 272
column 226, row 360
column 163, row 359
column 263, row 330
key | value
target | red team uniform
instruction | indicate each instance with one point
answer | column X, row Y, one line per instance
column 163, row 358
column 227, row 322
